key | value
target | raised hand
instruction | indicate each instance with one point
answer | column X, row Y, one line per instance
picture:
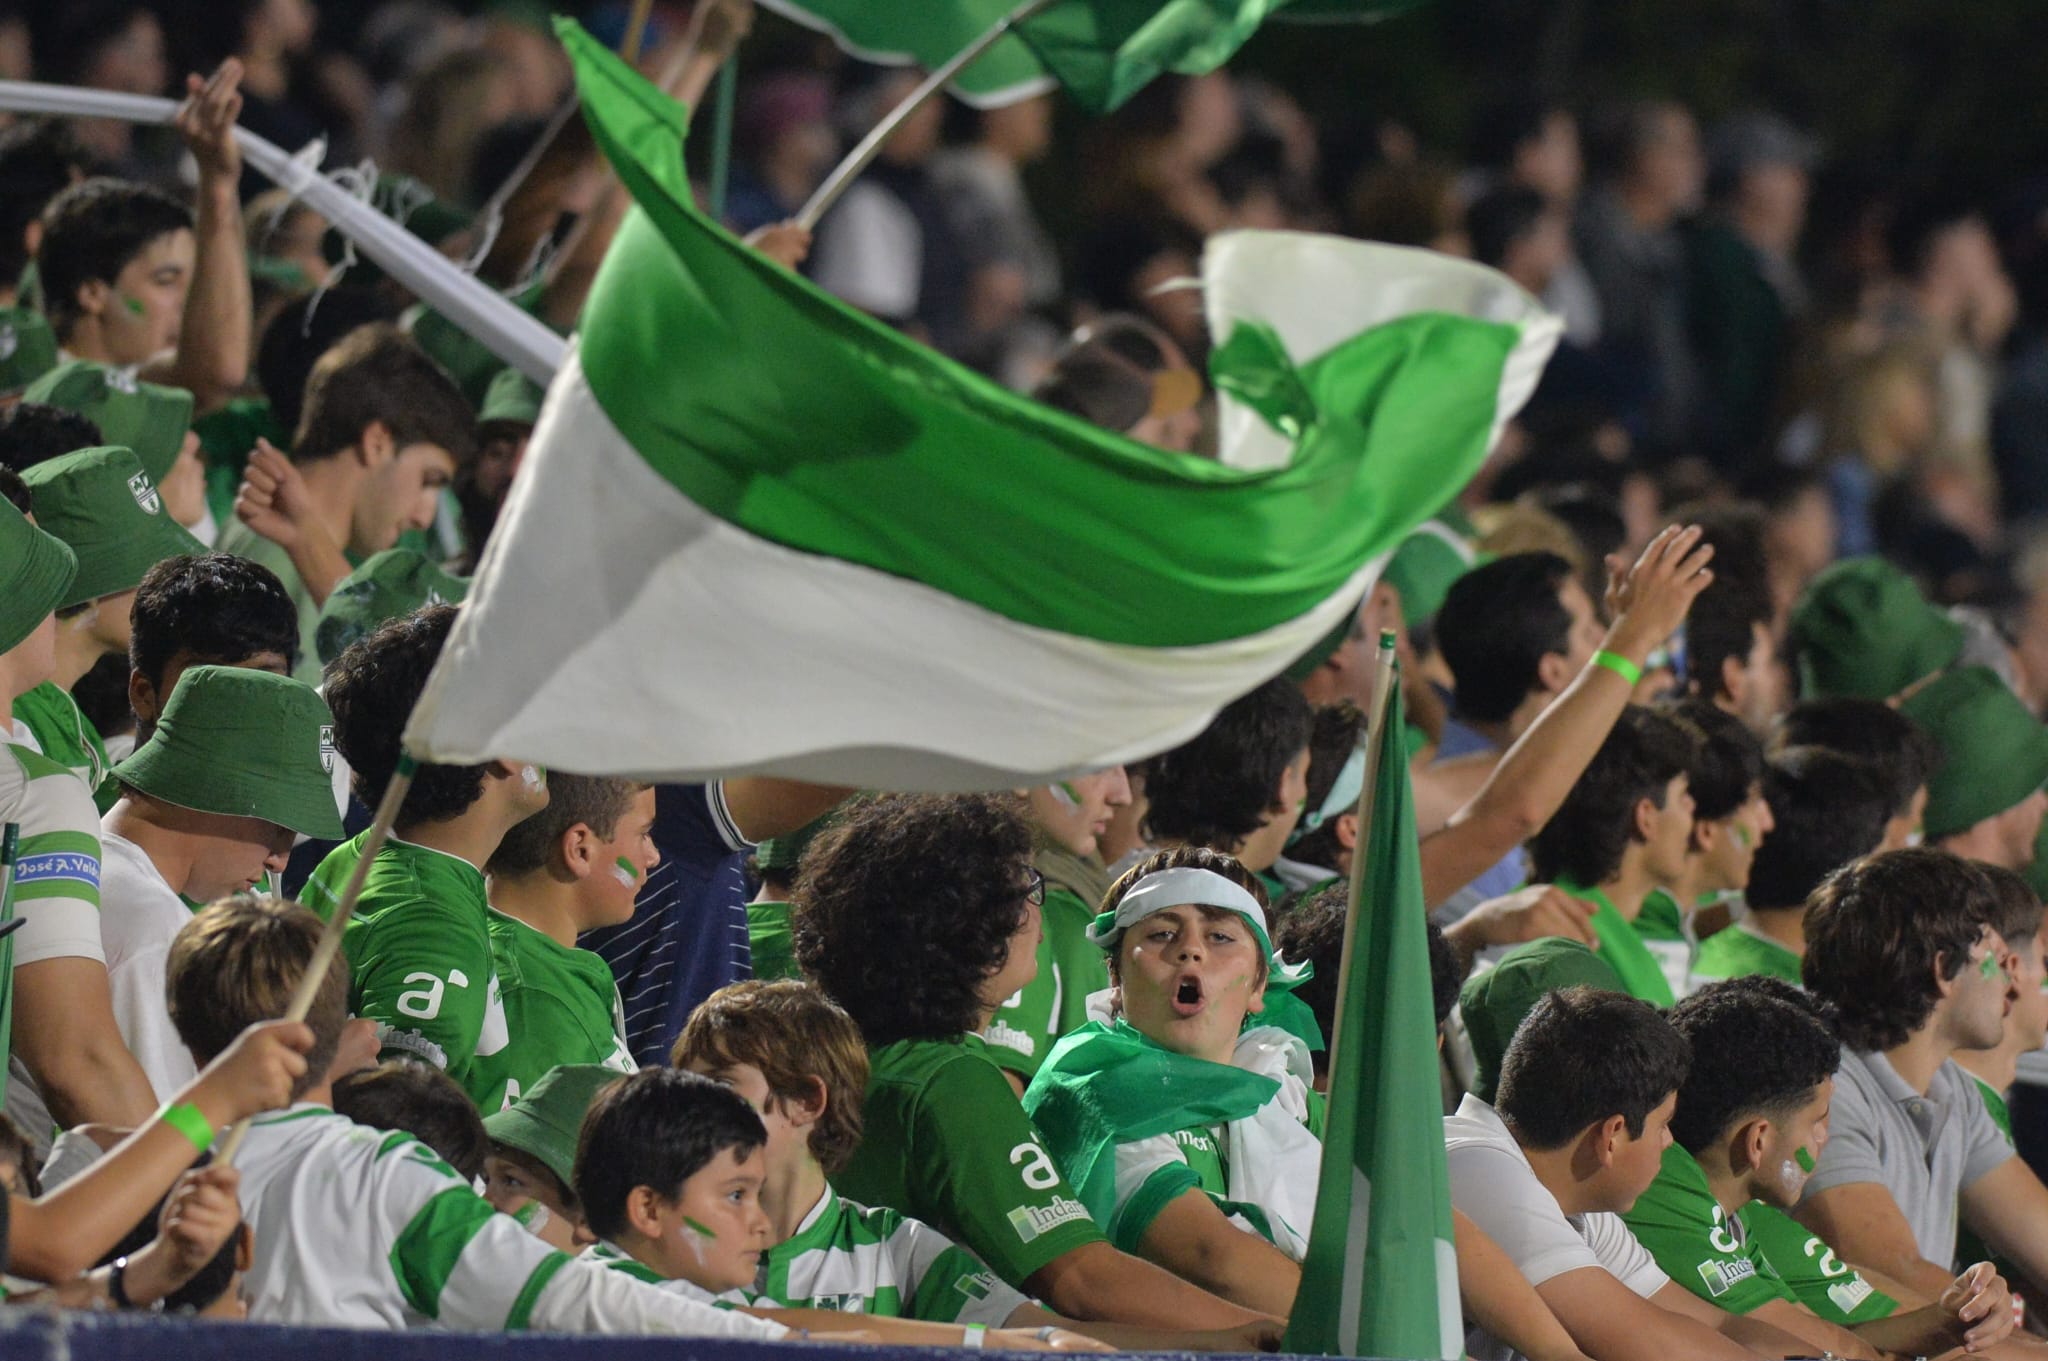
column 206, row 120
column 1649, row 601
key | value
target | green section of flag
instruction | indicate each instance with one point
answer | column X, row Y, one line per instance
column 1380, row 1278
column 1102, row 51
column 805, row 423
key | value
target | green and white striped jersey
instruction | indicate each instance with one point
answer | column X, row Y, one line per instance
column 365, row 1228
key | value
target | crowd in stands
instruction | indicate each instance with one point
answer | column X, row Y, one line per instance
column 1722, row 685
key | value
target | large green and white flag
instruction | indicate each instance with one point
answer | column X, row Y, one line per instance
column 759, row 531
column 1103, row 51
column 1381, row 1275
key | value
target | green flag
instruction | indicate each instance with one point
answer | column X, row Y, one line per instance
column 1102, row 51
column 1381, row 1276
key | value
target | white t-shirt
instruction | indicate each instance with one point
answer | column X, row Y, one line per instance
column 140, row 915
column 1492, row 1182
column 367, row 1228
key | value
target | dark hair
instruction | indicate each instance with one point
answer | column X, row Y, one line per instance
column 425, row 1103
column 1506, row 126
column 1103, row 376
column 1879, row 928
column 1190, row 858
column 1497, row 623
column 1736, row 531
column 596, row 802
column 237, row 963
column 1828, row 809
column 1759, row 1047
column 1446, row 973
column 1338, row 728
column 2016, row 914
column 656, row 1128
column 1219, row 788
column 378, row 374
column 372, row 687
column 1582, row 1056
column 1904, row 754
column 1617, row 134
column 1592, row 829
column 1312, row 931
column 91, row 231
column 215, row 607
column 906, row 906
column 1592, row 511
column 39, row 158
column 301, row 332
column 15, row 1144
column 16, row 491
column 537, row 1172
column 1728, row 761
column 1502, row 217
column 1721, row 624
column 35, row 432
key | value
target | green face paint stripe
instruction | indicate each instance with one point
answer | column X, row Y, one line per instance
column 1804, row 1159
column 1988, row 966
column 694, row 1226
column 135, row 308
column 1741, row 835
column 1070, row 795
column 627, row 868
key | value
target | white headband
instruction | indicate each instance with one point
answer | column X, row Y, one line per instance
column 1185, row 887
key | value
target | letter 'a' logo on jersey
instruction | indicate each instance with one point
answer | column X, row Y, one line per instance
column 144, row 493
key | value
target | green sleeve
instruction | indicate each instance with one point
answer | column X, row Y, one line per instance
column 424, row 975
column 1167, row 1184
column 1083, row 969
column 1811, row 1271
column 768, row 935
column 1684, row 1230
column 957, row 1288
column 1022, row 1031
column 977, row 1164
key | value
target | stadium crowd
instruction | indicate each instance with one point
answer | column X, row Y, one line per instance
column 1723, row 683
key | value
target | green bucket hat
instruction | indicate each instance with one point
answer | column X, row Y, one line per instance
column 1994, row 752
column 102, row 504
column 36, row 570
column 545, row 1121
column 145, row 417
column 243, row 744
column 1862, row 629
column 1495, row 1003
column 512, row 397
column 1424, row 568
column 388, row 585
column 28, row 348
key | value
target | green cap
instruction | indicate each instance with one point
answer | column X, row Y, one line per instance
column 512, row 397
column 102, row 504
column 1424, row 568
column 545, row 1121
column 28, row 348
column 245, row 744
column 1994, row 751
column 1862, row 629
column 1495, row 1003
column 146, row 417
column 387, row 586
column 36, row 570
column 780, row 854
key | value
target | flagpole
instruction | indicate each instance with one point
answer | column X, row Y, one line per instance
column 330, row 938
column 863, row 155
column 721, row 135
column 1386, row 675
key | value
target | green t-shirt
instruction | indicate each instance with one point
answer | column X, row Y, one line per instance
column 1730, row 1264
column 1055, row 1003
column 561, row 1006
column 419, row 954
column 856, row 1260
column 1970, row 1249
column 769, row 939
column 1737, row 952
column 244, row 542
column 946, row 1142
column 1640, row 972
column 68, row 737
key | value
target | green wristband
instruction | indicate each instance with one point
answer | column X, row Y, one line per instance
column 186, row 1119
column 1620, row 666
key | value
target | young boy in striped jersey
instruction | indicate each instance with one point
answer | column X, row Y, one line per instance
column 359, row 1227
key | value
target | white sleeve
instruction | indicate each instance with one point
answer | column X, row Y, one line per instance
column 1502, row 1196
column 584, row 1297
column 1624, row 1256
column 57, row 877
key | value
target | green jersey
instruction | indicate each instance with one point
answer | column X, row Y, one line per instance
column 1970, row 1249
column 1640, row 972
column 856, row 1260
column 68, row 737
column 1736, row 1266
column 768, row 936
column 561, row 1006
column 946, row 1142
column 1738, row 952
column 1055, row 1003
column 244, row 542
column 419, row 954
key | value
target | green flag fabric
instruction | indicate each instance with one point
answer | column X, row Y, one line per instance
column 1101, row 51
column 1381, row 1276
column 734, row 469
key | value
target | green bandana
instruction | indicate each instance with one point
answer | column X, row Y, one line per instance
column 145, row 417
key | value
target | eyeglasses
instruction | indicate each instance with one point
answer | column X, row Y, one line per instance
column 1034, row 892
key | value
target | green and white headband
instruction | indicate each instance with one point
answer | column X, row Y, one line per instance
column 1342, row 798
column 1190, row 887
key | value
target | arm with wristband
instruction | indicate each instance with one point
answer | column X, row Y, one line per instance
column 1646, row 605
column 65, row 1232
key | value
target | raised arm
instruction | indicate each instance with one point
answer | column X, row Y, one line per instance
column 212, row 356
